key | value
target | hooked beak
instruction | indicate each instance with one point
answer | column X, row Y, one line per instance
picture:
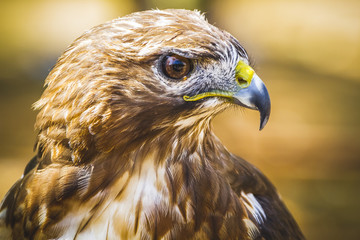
column 255, row 96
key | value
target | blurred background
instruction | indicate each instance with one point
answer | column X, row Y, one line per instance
column 306, row 51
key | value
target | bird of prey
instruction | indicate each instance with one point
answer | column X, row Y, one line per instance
column 125, row 148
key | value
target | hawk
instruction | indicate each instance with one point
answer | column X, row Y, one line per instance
column 125, row 148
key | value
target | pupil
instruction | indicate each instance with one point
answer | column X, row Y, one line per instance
column 178, row 65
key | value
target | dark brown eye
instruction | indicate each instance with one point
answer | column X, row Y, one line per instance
column 176, row 67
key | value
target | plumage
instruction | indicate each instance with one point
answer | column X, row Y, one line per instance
column 125, row 148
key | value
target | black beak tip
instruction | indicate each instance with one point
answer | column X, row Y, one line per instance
column 264, row 107
column 263, row 120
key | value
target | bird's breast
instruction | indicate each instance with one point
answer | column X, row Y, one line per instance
column 126, row 210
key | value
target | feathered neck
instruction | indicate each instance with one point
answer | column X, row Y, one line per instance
column 186, row 140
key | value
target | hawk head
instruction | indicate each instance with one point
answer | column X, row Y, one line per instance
column 147, row 74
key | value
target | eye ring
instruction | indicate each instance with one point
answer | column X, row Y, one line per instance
column 176, row 67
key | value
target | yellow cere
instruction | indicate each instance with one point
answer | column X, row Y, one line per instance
column 243, row 74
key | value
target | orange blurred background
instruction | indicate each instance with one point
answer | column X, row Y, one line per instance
column 307, row 53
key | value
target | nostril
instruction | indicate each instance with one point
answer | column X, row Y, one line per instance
column 243, row 83
column 243, row 74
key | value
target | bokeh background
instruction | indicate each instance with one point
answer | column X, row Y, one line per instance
column 306, row 51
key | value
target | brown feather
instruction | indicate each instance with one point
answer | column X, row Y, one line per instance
column 121, row 155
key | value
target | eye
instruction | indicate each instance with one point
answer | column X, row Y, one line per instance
column 176, row 67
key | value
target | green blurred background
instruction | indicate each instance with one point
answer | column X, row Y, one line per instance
column 307, row 53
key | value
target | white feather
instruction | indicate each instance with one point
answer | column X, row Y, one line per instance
column 254, row 207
